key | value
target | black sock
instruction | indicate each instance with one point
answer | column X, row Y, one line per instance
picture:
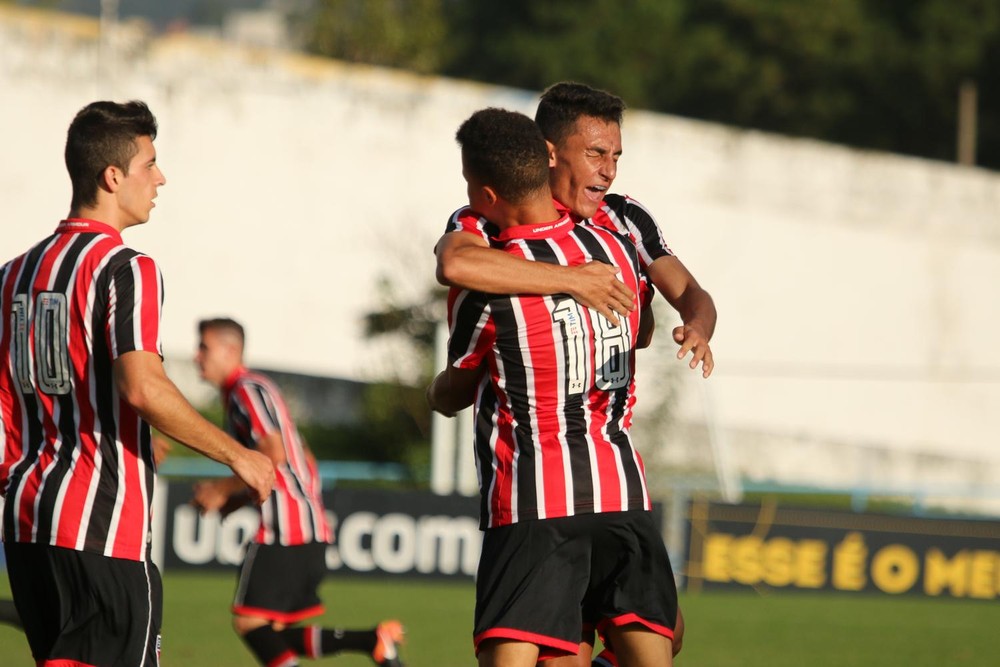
column 8, row 613
column 313, row 641
column 269, row 646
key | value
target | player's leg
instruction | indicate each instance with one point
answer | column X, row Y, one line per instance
column 633, row 591
column 678, row 640
column 529, row 588
column 507, row 653
column 278, row 587
column 381, row 642
column 637, row 646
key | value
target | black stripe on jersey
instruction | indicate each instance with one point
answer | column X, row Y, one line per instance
column 68, row 427
column 461, row 337
column 124, row 332
column 485, row 414
column 588, row 238
column 574, row 414
column 621, row 440
column 637, row 220
column 264, row 397
column 516, row 386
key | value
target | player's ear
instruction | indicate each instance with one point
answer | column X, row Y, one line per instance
column 552, row 153
column 491, row 195
column 110, row 178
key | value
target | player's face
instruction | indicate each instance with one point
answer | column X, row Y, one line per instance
column 585, row 164
column 217, row 357
column 137, row 189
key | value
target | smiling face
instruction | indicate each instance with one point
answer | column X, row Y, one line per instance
column 584, row 165
column 137, row 189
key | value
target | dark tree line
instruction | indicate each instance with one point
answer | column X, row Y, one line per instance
column 881, row 74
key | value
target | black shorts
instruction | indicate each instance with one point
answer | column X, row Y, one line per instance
column 86, row 608
column 280, row 583
column 539, row 579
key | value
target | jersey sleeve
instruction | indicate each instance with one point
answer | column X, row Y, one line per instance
column 640, row 226
column 251, row 413
column 135, row 304
column 467, row 220
column 471, row 328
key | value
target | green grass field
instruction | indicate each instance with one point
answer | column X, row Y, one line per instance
column 737, row 629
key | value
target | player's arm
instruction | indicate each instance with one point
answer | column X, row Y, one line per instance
column 227, row 494
column 144, row 385
column 693, row 304
column 453, row 390
column 647, row 325
column 465, row 260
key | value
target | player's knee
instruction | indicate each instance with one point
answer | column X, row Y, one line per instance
column 244, row 624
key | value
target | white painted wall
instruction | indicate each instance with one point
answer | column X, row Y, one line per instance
column 857, row 290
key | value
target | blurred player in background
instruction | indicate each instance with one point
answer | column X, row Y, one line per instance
column 582, row 128
column 286, row 561
column 565, row 508
column 81, row 382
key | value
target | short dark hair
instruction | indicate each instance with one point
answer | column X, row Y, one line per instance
column 224, row 324
column 563, row 103
column 101, row 135
column 506, row 151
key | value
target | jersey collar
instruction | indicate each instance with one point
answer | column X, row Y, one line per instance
column 230, row 382
column 84, row 226
column 544, row 230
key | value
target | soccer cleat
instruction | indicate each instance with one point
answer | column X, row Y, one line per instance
column 388, row 636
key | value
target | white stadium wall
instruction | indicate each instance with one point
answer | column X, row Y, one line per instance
column 857, row 291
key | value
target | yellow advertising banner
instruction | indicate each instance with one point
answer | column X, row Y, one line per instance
column 766, row 546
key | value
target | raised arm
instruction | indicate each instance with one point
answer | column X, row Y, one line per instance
column 144, row 385
column 693, row 304
column 465, row 260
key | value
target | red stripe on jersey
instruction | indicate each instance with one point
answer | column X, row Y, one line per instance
column 148, row 335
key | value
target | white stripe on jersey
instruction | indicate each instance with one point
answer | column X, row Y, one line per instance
column 133, row 265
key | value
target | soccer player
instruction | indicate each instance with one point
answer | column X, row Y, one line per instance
column 81, row 382
column 582, row 128
column 564, row 505
column 285, row 563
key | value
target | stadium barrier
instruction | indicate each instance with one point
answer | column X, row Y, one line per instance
column 766, row 547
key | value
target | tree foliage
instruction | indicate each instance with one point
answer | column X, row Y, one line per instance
column 880, row 74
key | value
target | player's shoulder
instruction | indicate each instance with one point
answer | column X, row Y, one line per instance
column 465, row 219
column 625, row 206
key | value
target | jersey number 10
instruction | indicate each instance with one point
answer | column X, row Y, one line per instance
column 51, row 343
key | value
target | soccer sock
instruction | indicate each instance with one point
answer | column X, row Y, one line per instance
column 314, row 642
column 270, row 647
column 8, row 613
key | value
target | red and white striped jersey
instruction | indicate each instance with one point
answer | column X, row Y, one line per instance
column 619, row 213
column 77, row 469
column 554, row 410
column 293, row 514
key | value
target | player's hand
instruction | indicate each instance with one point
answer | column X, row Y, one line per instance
column 693, row 339
column 209, row 496
column 596, row 285
column 257, row 472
